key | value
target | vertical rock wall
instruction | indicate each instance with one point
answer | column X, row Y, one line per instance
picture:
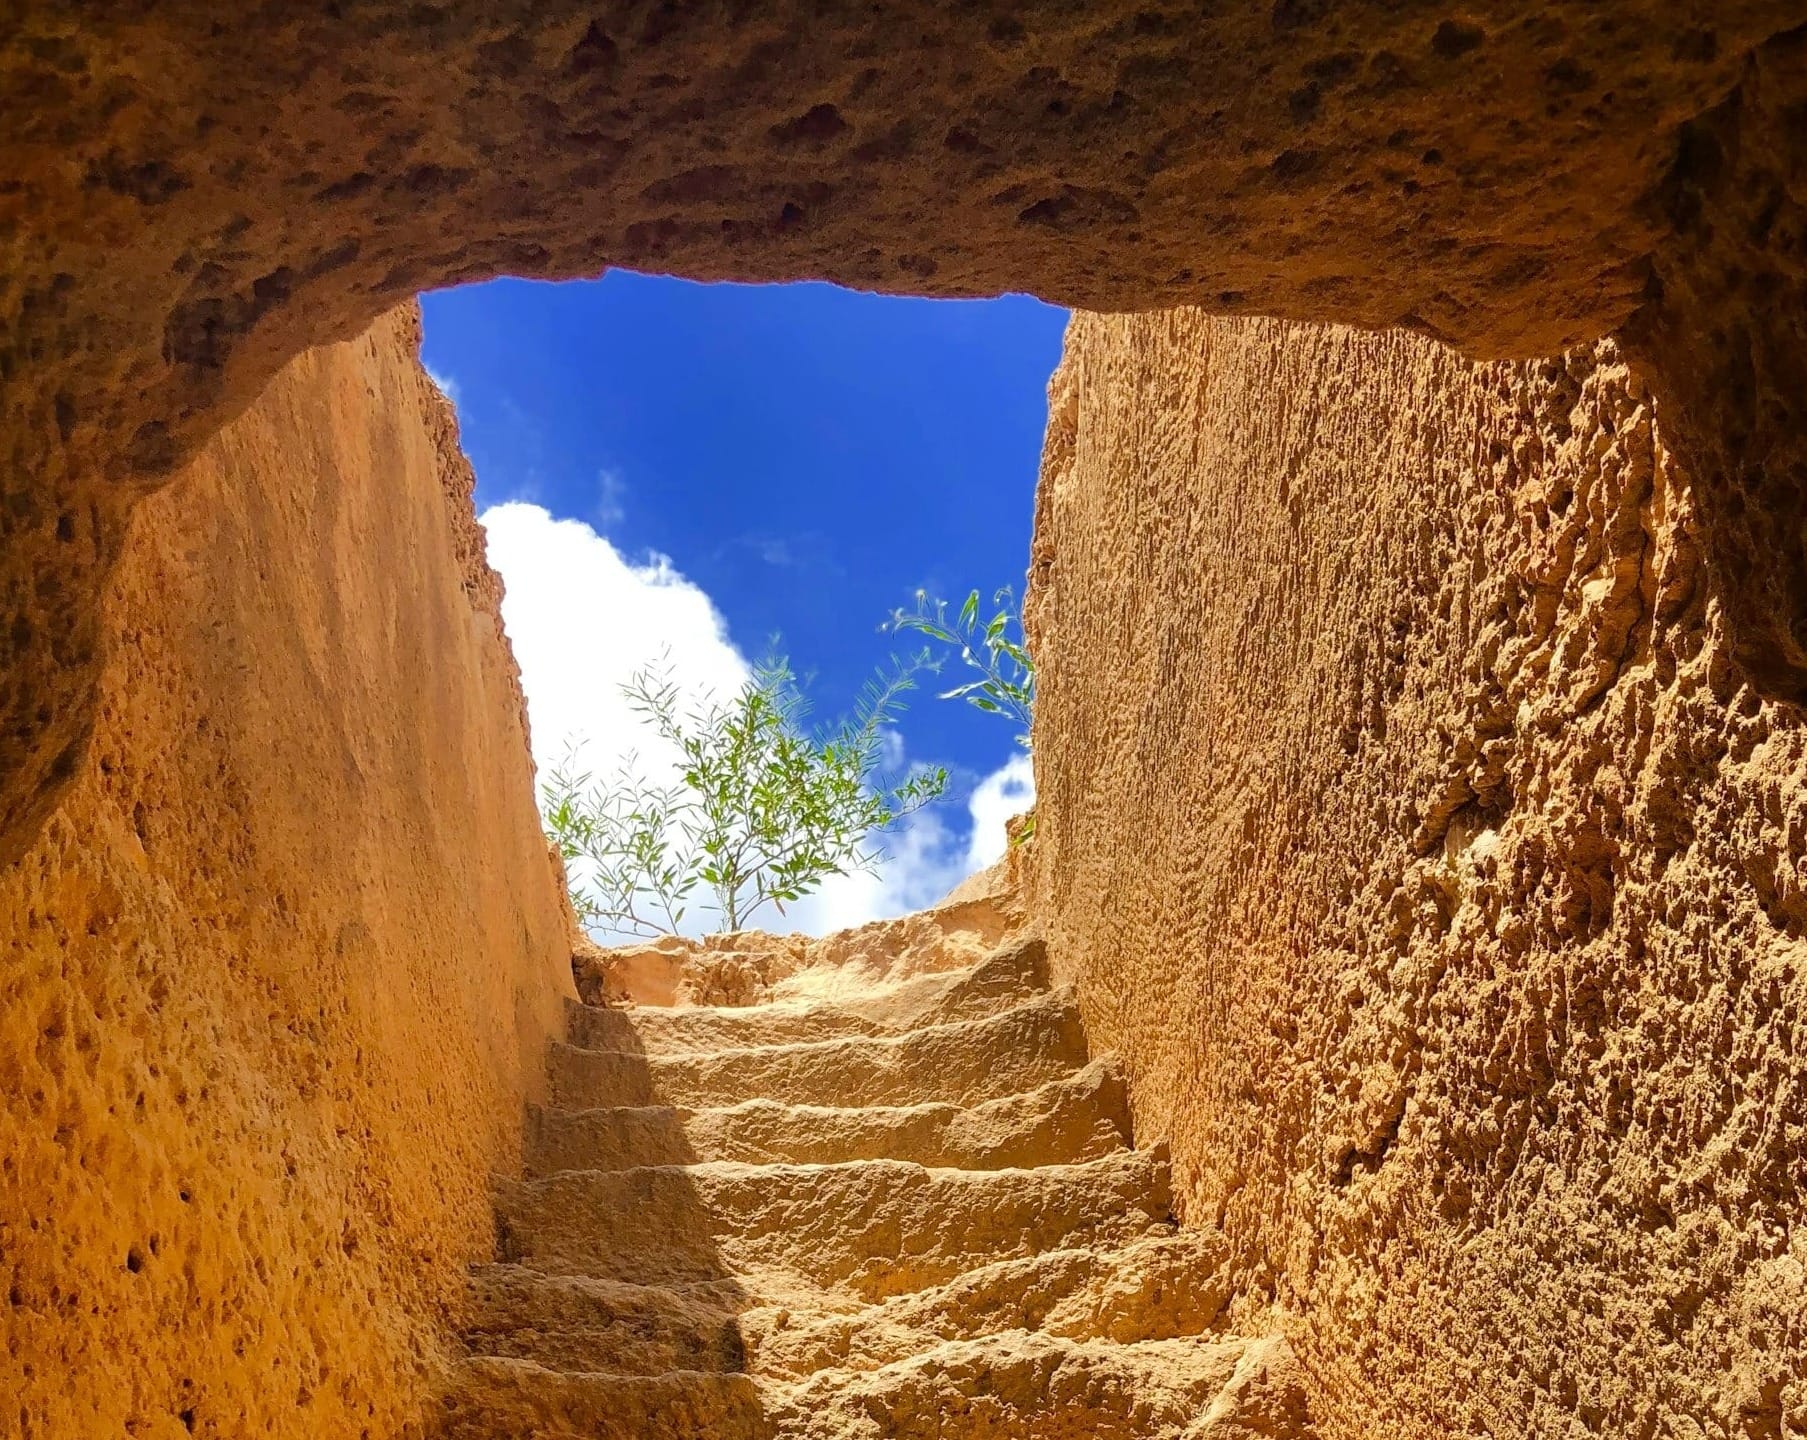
column 278, row 973
column 1406, row 827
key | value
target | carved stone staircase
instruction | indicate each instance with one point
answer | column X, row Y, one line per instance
column 890, row 1207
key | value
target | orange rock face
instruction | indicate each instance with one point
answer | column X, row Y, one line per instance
column 278, row 973
column 1410, row 834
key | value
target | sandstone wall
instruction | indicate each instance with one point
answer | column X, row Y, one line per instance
column 276, row 975
column 1407, row 827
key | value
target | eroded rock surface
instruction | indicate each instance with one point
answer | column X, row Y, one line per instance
column 1410, row 834
column 268, row 1010
column 193, row 192
column 880, row 1203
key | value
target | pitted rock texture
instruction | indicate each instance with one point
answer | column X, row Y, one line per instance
column 1410, row 835
column 701, row 1251
column 267, row 1013
column 192, row 192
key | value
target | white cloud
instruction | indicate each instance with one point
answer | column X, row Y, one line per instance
column 583, row 619
column 448, row 387
column 926, row 856
column 611, row 504
column 1006, row 792
column 924, row 860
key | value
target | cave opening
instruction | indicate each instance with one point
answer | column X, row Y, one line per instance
column 752, row 471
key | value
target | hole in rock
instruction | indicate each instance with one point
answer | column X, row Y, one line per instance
column 682, row 480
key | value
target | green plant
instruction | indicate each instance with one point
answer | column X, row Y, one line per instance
column 624, row 829
column 763, row 813
column 1007, row 675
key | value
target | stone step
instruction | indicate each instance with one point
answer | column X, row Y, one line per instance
column 1023, row 1386
column 580, row 1323
column 1078, row 1116
column 1009, row 1386
column 1160, row 1287
column 903, row 1213
column 872, row 1228
column 1010, row 975
column 490, row 1398
column 962, row 1062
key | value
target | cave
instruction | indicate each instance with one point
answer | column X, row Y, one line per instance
column 196, row 197
column 1432, row 854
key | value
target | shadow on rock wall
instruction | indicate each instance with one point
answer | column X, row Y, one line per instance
column 1409, row 830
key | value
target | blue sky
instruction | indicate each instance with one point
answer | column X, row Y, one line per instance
column 805, row 456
